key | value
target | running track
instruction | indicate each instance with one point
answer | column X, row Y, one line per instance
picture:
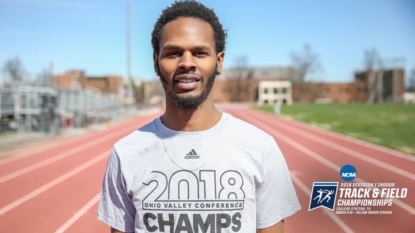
column 55, row 188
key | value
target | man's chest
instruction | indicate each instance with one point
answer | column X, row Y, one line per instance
column 217, row 196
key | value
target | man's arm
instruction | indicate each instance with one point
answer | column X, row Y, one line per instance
column 277, row 228
column 115, row 200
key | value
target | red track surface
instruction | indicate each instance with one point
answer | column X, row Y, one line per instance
column 54, row 189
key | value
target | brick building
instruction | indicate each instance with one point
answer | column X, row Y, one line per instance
column 336, row 92
column 110, row 84
column 391, row 82
column 71, row 79
column 226, row 90
column 387, row 86
column 107, row 84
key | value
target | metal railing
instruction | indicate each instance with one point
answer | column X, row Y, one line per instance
column 26, row 108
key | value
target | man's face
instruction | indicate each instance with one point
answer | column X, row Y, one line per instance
column 187, row 62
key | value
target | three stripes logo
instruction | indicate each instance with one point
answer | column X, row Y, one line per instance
column 192, row 155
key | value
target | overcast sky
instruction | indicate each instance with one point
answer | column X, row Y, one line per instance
column 91, row 35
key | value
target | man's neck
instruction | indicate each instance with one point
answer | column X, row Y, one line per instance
column 201, row 118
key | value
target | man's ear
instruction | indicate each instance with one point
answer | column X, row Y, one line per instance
column 156, row 63
column 219, row 59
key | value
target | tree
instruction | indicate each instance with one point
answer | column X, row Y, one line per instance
column 44, row 78
column 371, row 60
column 240, row 73
column 373, row 67
column 14, row 69
column 305, row 63
column 138, row 90
column 411, row 85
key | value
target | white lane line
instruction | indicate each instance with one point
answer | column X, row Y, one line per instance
column 353, row 140
column 349, row 151
column 59, row 157
column 46, row 148
column 54, row 182
column 78, row 214
column 317, row 157
column 37, row 151
column 334, row 217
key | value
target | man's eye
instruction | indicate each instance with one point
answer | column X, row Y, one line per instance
column 200, row 54
column 173, row 54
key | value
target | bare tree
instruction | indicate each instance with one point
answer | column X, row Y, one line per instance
column 14, row 69
column 374, row 73
column 139, row 93
column 138, row 90
column 305, row 63
column 45, row 78
column 240, row 73
column 411, row 85
column 371, row 60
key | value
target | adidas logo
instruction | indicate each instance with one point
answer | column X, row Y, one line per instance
column 192, row 155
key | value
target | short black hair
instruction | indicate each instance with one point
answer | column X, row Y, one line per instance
column 192, row 9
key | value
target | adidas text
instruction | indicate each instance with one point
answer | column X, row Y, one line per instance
column 192, row 155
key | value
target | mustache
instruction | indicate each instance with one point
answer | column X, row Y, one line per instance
column 185, row 73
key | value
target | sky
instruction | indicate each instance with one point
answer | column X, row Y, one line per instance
column 91, row 34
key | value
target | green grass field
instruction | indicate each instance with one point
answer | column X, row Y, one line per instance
column 389, row 125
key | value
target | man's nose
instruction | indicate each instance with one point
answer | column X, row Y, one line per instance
column 187, row 61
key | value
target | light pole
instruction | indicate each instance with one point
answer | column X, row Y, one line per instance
column 128, row 30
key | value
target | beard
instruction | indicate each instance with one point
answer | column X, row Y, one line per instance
column 190, row 101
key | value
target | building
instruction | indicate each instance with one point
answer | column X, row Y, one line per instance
column 274, row 92
column 409, row 98
column 238, row 90
column 72, row 79
column 109, row 84
column 266, row 72
column 329, row 92
column 381, row 86
column 384, row 86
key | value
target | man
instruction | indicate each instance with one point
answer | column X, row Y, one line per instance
column 195, row 169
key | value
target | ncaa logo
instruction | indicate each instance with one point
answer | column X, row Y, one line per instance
column 348, row 172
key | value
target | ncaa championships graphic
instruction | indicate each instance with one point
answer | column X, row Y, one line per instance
column 323, row 194
column 355, row 197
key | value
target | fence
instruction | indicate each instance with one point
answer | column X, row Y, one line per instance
column 25, row 108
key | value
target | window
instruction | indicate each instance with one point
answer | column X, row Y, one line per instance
column 265, row 90
column 275, row 90
column 284, row 90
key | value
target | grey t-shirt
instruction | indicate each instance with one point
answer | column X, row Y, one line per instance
column 230, row 178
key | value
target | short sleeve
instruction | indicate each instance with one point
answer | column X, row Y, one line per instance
column 276, row 197
column 116, row 208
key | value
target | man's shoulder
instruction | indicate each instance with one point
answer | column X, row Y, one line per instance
column 244, row 131
column 143, row 136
